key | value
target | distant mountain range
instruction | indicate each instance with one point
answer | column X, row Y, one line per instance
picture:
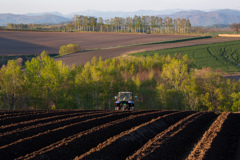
column 111, row 14
column 197, row 18
column 200, row 18
column 34, row 19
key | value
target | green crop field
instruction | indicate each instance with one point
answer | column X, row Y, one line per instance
column 225, row 55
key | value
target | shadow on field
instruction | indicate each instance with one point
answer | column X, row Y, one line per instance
column 15, row 47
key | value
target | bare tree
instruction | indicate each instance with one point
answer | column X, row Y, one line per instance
column 235, row 27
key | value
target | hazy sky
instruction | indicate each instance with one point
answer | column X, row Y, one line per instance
column 69, row 6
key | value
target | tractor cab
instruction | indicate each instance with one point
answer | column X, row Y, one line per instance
column 124, row 101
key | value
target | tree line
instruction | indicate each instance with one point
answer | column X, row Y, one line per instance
column 36, row 27
column 137, row 24
column 160, row 82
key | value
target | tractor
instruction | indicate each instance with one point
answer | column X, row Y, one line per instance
column 124, row 101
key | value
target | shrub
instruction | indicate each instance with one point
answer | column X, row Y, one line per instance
column 70, row 48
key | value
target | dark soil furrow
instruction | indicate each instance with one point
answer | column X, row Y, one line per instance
column 48, row 137
column 220, row 140
column 132, row 139
column 6, row 129
column 21, row 114
column 175, row 142
column 104, row 134
column 21, row 133
column 10, row 113
column 31, row 116
column 80, row 143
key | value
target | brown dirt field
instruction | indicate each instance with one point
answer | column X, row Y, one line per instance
column 16, row 42
column 146, row 134
column 81, row 58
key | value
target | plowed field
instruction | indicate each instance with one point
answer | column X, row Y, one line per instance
column 17, row 43
column 96, row 134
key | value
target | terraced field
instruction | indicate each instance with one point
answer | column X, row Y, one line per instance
column 96, row 134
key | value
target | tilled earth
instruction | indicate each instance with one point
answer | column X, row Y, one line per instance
column 97, row 134
column 18, row 43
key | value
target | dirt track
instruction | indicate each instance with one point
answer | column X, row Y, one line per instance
column 87, row 134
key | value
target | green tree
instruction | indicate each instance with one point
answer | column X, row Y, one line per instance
column 144, row 22
column 11, row 84
column 107, row 23
column 54, row 75
column 93, row 22
column 43, row 55
column 189, row 89
column 175, row 72
column 69, row 26
column 34, row 82
column 153, row 23
column 236, row 102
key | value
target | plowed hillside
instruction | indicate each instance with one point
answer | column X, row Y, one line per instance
column 15, row 43
column 96, row 134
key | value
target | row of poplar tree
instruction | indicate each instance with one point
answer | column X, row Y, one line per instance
column 160, row 82
column 143, row 24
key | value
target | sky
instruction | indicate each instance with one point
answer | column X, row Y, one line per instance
column 70, row 6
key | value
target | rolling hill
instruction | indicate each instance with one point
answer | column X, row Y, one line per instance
column 200, row 18
column 197, row 17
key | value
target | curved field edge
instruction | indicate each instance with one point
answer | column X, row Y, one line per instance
column 159, row 42
column 223, row 55
column 141, row 44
